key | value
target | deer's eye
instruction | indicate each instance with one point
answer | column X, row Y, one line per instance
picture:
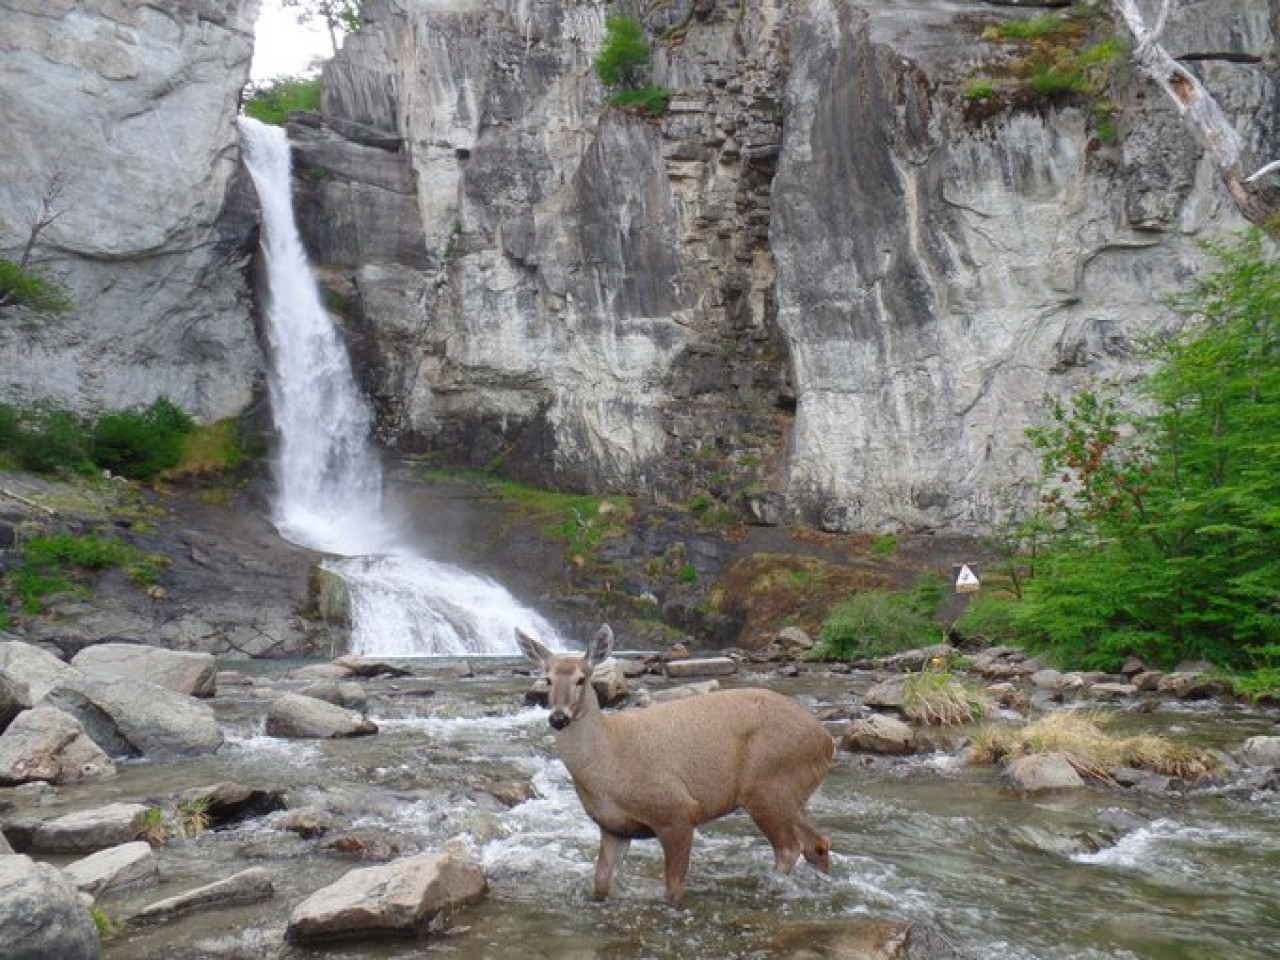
column 580, row 681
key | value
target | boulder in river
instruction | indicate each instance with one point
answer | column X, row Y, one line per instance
column 130, row 718
column 1261, row 752
column 701, row 668
column 82, row 832
column 45, row 743
column 36, row 669
column 341, row 693
column 1042, row 771
column 194, row 674
column 401, row 897
column 14, row 698
column 296, row 717
column 879, row 733
column 228, row 802
column 247, row 886
column 42, row 915
column 128, row 865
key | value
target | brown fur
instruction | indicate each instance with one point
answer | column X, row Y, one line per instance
column 661, row 771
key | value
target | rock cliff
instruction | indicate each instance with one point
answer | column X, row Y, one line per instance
column 826, row 284
column 123, row 114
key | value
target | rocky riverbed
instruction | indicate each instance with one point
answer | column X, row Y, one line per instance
column 356, row 809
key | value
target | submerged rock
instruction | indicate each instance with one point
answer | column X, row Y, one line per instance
column 42, row 916
column 194, row 674
column 294, row 716
column 399, row 898
column 247, row 886
column 345, row 694
column 46, row 744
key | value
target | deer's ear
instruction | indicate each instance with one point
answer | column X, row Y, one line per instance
column 600, row 647
column 532, row 648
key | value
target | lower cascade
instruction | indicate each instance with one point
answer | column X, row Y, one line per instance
column 327, row 474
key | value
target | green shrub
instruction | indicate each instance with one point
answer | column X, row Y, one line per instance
column 25, row 287
column 50, row 440
column 874, row 624
column 979, row 89
column 650, row 100
column 273, row 101
column 884, row 546
column 1036, row 28
column 141, row 443
column 991, row 619
column 624, row 58
column 58, row 563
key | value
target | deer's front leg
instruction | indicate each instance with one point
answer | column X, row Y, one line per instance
column 612, row 849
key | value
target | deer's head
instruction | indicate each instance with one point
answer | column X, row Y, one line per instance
column 568, row 676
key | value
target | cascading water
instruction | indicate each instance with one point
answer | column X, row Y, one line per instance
column 328, row 477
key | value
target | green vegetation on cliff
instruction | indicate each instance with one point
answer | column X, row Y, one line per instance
column 1158, row 534
column 623, row 66
column 272, row 102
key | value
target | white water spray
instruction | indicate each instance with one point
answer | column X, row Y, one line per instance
column 328, row 477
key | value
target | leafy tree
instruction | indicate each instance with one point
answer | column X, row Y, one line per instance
column 623, row 61
column 338, row 16
column 1166, row 541
column 273, row 101
column 139, row 444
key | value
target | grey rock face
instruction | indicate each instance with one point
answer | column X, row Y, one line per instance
column 131, row 109
column 46, row 744
column 42, row 915
column 193, row 674
column 816, row 257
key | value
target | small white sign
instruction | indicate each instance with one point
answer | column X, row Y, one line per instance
column 966, row 580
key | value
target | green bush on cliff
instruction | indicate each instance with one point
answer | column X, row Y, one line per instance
column 27, row 288
column 623, row 66
column 272, row 101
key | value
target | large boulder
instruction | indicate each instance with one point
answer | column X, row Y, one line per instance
column 610, row 683
column 32, row 667
column 699, row 669
column 46, row 744
column 294, row 716
column 130, row 718
column 879, row 734
column 41, row 914
column 14, row 698
column 129, row 865
column 195, row 674
column 1261, row 752
column 85, row 831
column 1042, row 771
column 397, row 898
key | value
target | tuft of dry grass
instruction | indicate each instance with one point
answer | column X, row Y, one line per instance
column 938, row 697
column 1091, row 750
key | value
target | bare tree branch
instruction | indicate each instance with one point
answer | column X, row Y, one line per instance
column 46, row 211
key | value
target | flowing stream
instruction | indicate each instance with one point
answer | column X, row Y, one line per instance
column 328, row 476
column 1090, row 874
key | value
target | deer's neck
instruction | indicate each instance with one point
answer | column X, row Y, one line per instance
column 585, row 742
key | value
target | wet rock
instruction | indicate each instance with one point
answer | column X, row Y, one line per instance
column 227, row 802
column 42, row 916
column 193, row 674
column 698, row 669
column 794, row 641
column 365, row 667
column 538, row 692
column 1144, row 781
column 83, row 832
column 128, row 717
column 887, row 694
column 398, row 898
column 1132, row 667
column 1042, row 771
column 305, row 718
column 46, row 744
column 1009, row 695
column 1261, row 752
column 247, row 886
column 366, row 843
column 1113, row 691
column 879, row 734
column 1190, row 685
column 648, row 697
column 14, row 698
column 115, row 869
column 307, row 824
column 610, row 683
column 322, row 671
column 867, row 940
column 5, row 849
column 1148, row 681
column 345, row 694
column 1047, row 679
column 913, row 661
column 32, row 667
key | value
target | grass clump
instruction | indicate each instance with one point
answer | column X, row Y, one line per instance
column 980, row 88
column 939, row 697
column 877, row 623
column 1092, row 751
column 25, row 287
column 62, row 563
column 1036, row 28
column 192, row 815
column 581, row 521
column 154, row 827
column 652, row 101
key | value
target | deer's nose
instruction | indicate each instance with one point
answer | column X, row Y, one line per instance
column 558, row 720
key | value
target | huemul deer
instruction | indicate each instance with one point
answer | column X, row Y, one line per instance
column 662, row 770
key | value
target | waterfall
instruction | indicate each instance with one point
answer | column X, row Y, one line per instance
column 327, row 473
